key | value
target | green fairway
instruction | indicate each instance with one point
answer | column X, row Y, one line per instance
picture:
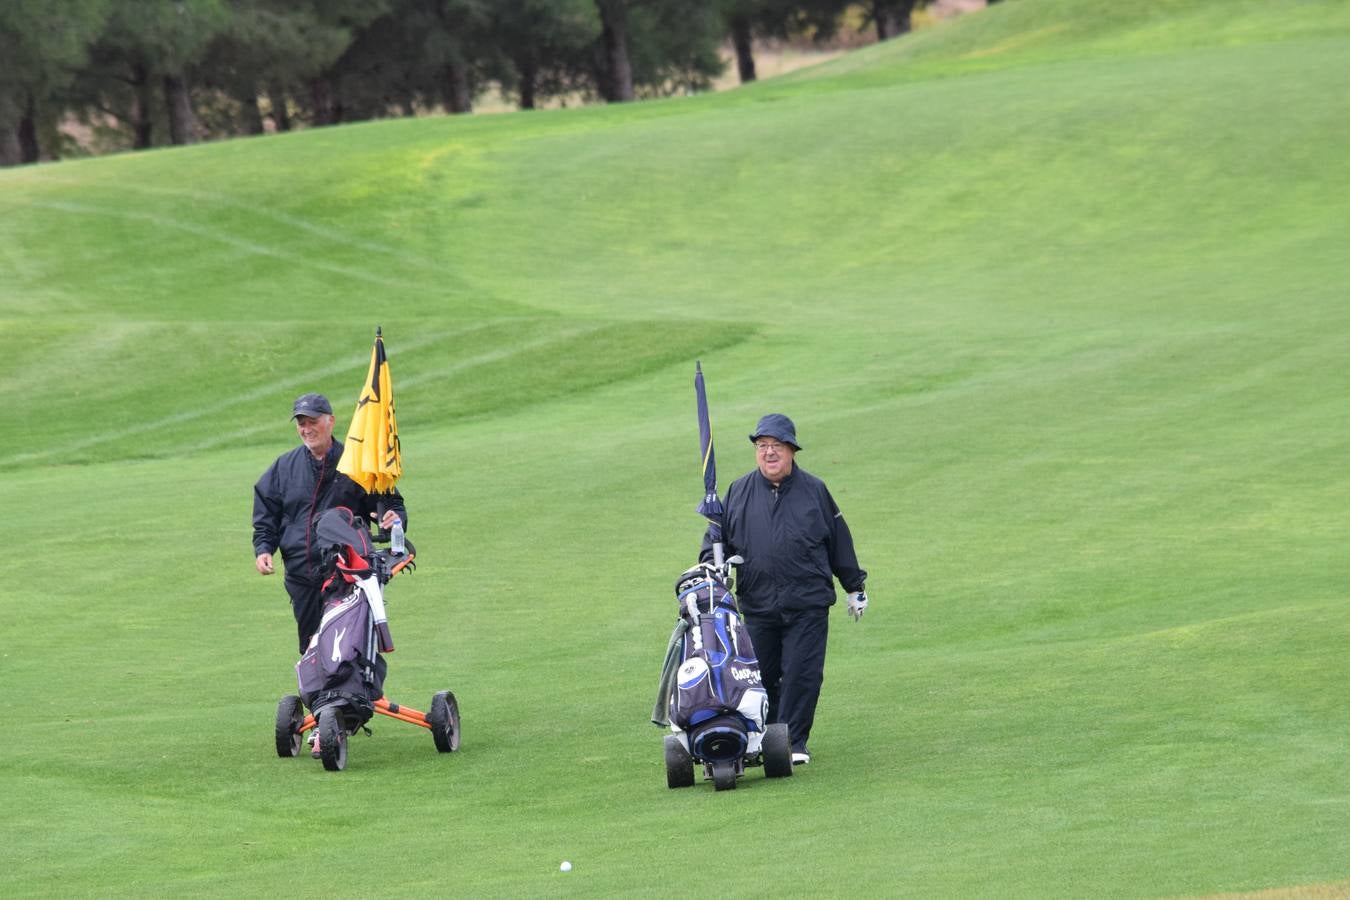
column 1056, row 294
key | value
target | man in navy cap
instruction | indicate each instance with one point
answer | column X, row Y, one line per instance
column 783, row 522
column 290, row 497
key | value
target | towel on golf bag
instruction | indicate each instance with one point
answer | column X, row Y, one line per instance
column 342, row 663
column 710, row 668
column 674, row 648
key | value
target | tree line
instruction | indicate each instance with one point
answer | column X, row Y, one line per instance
column 145, row 73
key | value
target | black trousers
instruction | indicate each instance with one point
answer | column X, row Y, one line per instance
column 790, row 645
column 307, row 604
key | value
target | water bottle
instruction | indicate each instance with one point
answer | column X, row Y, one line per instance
column 396, row 545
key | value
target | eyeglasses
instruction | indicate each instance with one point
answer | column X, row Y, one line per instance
column 766, row 446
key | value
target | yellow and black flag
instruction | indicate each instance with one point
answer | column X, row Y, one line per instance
column 371, row 455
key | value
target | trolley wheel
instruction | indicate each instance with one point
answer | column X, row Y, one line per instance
column 443, row 717
column 724, row 775
column 290, row 715
column 332, row 740
column 679, row 764
column 777, row 748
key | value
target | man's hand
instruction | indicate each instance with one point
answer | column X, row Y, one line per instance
column 857, row 604
column 388, row 520
column 264, row 564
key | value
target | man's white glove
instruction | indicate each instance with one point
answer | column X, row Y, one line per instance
column 857, row 604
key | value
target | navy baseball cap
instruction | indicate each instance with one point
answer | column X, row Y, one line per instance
column 779, row 427
column 312, row 405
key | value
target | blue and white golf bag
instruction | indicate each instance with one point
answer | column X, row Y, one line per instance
column 711, row 694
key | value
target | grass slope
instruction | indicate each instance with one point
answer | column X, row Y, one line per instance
column 1055, row 293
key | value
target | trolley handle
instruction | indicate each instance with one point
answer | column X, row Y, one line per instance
column 388, row 564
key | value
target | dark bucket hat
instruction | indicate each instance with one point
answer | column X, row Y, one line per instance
column 312, row 405
column 779, row 427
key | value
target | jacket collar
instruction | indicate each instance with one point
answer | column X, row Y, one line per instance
column 782, row 485
column 330, row 459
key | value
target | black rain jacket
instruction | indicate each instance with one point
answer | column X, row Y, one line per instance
column 794, row 541
column 294, row 492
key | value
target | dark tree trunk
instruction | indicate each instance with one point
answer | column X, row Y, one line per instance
column 142, row 120
column 182, row 120
column 10, row 154
column 253, row 116
column 281, row 115
column 28, row 139
column 321, row 94
column 614, row 37
column 893, row 17
column 528, row 70
column 600, row 72
column 458, row 94
column 742, row 40
column 456, row 83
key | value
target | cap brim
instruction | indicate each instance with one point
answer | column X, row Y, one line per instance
column 754, row 439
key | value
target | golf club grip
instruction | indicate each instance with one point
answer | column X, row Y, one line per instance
column 386, row 639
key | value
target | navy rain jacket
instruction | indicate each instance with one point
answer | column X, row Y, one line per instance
column 794, row 541
column 294, row 492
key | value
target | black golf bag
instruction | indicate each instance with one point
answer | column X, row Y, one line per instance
column 342, row 665
column 711, row 694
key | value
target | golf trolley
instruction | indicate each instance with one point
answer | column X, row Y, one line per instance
column 341, row 673
column 710, row 694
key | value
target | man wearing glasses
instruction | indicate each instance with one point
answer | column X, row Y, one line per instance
column 783, row 522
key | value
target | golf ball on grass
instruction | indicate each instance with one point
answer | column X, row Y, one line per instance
column 565, row 867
